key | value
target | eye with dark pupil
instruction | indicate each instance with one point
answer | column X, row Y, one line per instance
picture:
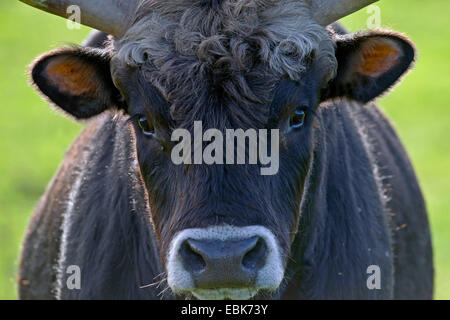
column 146, row 126
column 297, row 119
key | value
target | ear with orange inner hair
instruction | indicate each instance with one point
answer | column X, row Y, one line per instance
column 369, row 64
column 77, row 80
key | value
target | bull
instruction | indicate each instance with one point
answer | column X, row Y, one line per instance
column 345, row 199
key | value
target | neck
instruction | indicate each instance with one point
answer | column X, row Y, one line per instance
column 108, row 233
column 343, row 226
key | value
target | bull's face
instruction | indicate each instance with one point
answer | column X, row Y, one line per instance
column 225, row 230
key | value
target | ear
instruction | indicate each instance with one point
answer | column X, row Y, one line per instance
column 77, row 80
column 369, row 64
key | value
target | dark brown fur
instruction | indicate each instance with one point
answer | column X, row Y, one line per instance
column 339, row 203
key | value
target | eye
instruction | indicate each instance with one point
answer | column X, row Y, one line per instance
column 146, row 126
column 297, row 119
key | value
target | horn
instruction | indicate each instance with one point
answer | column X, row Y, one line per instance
column 329, row 11
column 110, row 16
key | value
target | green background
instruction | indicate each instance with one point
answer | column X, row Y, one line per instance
column 33, row 137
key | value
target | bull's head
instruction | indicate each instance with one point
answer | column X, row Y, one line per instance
column 224, row 230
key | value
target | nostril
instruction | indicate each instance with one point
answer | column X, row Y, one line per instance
column 255, row 258
column 192, row 261
column 229, row 263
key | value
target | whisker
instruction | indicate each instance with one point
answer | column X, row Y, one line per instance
column 161, row 282
column 156, row 283
column 148, row 285
column 159, row 275
column 163, row 292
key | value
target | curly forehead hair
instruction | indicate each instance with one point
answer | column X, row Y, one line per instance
column 279, row 33
column 230, row 38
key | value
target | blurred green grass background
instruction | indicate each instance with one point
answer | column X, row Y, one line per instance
column 33, row 137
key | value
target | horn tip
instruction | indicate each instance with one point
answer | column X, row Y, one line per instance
column 36, row 3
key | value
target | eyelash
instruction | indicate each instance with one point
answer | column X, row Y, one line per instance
column 133, row 118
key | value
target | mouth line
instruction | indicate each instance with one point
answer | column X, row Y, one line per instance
column 225, row 293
